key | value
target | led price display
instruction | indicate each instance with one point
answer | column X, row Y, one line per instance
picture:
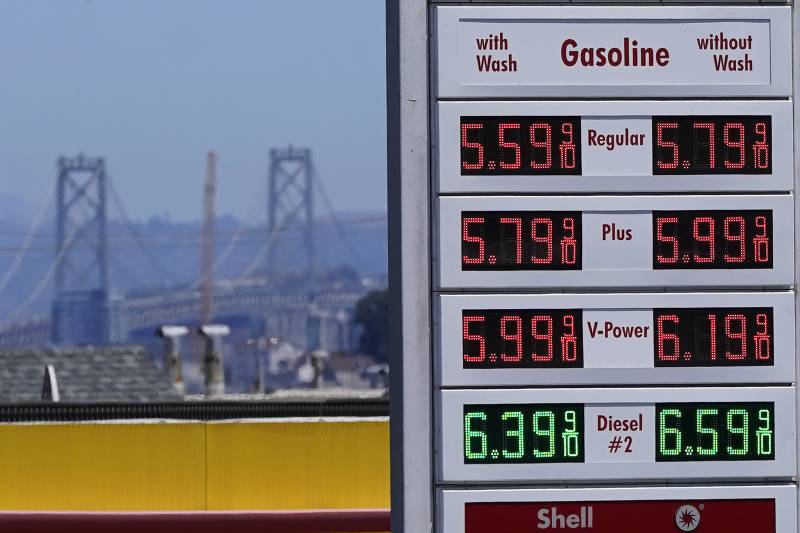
column 524, row 433
column 726, row 431
column 520, row 145
column 712, row 239
column 522, row 338
column 520, row 240
column 553, row 338
column 712, row 145
column 713, row 337
column 682, row 145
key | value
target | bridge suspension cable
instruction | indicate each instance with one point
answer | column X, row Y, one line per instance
column 33, row 296
column 26, row 243
column 138, row 238
column 329, row 205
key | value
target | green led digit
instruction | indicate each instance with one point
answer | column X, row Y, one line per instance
column 742, row 428
column 471, row 434
column 570, row 435
column 515, row 433
column 549, row 419
column 703, row 430
column 664, row 432
column 764, row 432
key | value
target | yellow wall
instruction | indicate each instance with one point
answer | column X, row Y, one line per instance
column 194, row 466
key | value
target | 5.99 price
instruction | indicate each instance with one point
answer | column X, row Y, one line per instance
column 712, row 239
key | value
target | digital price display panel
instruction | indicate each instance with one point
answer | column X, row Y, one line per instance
column 551, row 433
column 719, row 509
column 731, row 144
column 525, row 433
column 567, row 339
column 607, row 146
column 621, row 241
column 730, row 431
column 661, row 433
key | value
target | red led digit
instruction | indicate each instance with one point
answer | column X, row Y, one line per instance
column 708, row 239
column 667, row 145
column 668, row 259
column 762, row 339
column 711, row 143
column 474, row 337
column 566, row 150
column 738, row 144
column 466, row 237
column 569, row 343
column 761, row 148
column 663, row 338
column 712, row 332
column 738, row 236
column 466, row 143
column 509, row 145
column 517, row 222
column 546, row 239
column 547, row 144
column 515, row 337
column 547, row 336
column 569, row 247
column 739, row 335
column 761, row 241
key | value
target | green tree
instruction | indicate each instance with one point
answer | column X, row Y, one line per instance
column 372, row 312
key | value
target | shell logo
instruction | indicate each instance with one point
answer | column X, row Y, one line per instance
column 687, row 517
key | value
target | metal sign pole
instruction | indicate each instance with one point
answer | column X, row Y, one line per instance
column 409, row 264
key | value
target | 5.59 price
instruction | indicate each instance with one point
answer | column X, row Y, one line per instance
column 520, row 240
column 520, row 145
column 712, row 239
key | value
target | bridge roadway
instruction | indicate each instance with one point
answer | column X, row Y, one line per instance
column 285, row 313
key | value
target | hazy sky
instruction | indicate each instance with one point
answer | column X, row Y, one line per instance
column 152, row 85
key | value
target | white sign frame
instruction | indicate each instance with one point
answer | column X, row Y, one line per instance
column 451, row 467
column 447, row 54
column 448, row 244
column 450, row 179
column 449, row 358
column 452, row 501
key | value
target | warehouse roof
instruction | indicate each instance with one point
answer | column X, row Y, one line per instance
column 84, row 374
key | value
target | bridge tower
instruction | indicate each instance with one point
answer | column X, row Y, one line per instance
column 291, row 207
column 80, row 303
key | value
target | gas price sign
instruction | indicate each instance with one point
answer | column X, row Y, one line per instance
column 537, row 339
column 614, row 146
column 621, row 510
column 617, row 433
column 615, row 241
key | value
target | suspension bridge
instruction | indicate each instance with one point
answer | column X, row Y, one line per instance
column 314, row 314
